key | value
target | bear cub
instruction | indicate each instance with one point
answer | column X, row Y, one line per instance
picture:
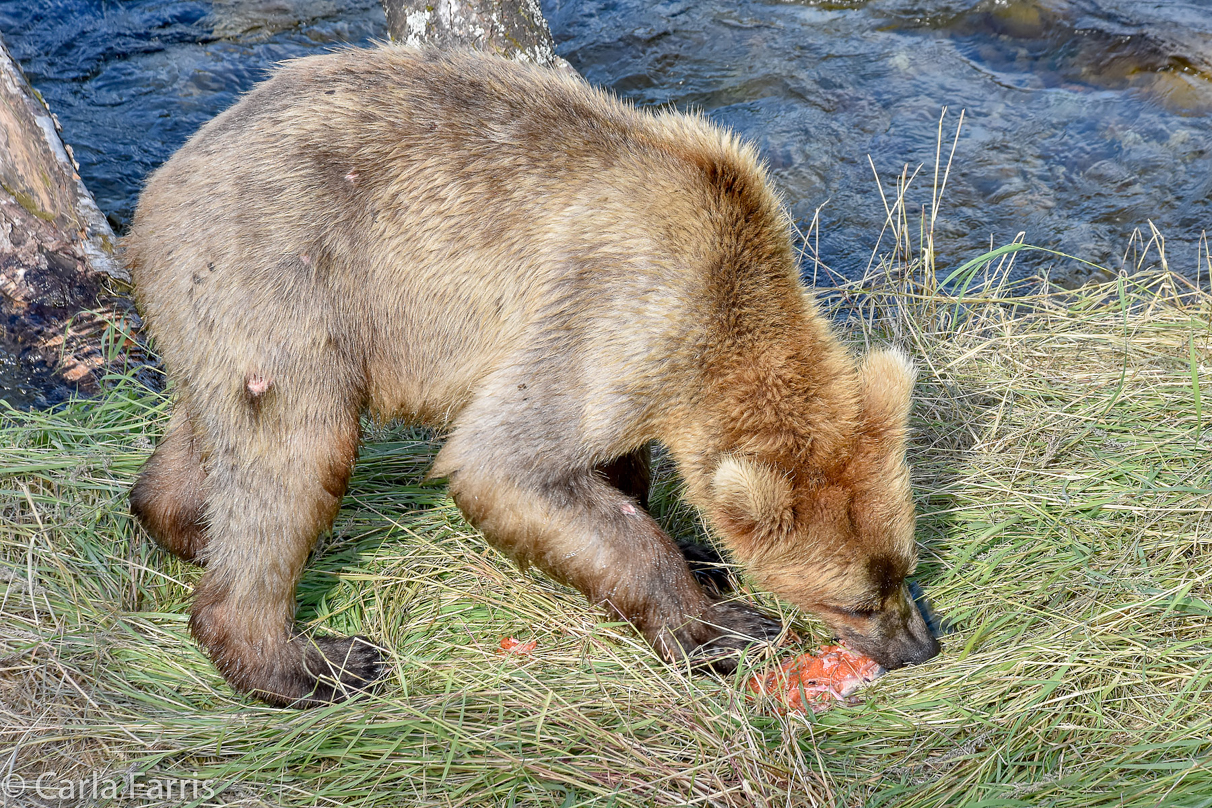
column 556, row 279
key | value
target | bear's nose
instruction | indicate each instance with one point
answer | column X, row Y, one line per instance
column 925, row 650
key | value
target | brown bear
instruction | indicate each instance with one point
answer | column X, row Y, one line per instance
column 558, row 280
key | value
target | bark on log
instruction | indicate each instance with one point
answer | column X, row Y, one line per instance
column 56, row 251
column 514, row 29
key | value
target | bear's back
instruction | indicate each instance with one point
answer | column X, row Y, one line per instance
column 359, row 198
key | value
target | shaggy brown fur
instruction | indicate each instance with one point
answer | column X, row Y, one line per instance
column 557, row 278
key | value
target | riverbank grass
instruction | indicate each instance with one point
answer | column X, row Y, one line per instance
column 1062, row 451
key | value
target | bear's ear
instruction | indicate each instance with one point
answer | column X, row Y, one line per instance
column 753, row 498
column 887, row 378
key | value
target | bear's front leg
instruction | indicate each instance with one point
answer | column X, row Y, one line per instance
column 588, row 534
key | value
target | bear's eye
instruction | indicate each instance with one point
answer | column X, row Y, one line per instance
column 860, row 612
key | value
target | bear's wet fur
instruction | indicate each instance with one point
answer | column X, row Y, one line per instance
column 555, row 278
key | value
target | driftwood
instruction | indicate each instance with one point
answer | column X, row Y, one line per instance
column 56, row 255
column 514, row 29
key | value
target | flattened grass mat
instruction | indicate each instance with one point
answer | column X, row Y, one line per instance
column 1063, row 463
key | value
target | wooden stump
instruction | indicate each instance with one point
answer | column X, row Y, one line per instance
column 514, row 29
column 56, row 254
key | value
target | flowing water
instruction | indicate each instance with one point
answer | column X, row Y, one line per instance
column 1084, row 120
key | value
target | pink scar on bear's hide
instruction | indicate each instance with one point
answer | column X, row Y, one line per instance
column 352, row 176
column 628, row 509
column 257, row 384
column 305, row 258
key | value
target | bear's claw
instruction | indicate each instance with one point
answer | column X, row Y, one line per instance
column 716, row 640
column 341, row 667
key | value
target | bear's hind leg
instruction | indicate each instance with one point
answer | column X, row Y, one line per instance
column 271, row 490
column 167, row 496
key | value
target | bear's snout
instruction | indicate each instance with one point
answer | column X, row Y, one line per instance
column 909, row 651
column 897, row 636
column 911, row 643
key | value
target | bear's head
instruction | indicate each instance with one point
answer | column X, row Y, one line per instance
column 839, row 540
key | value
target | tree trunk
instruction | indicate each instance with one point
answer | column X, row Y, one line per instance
column 56, row 256
column 514, row 29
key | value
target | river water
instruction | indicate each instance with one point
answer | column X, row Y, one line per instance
column 1084, row 120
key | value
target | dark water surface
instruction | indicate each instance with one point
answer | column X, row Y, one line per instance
column 1084, row 119
column 131, row 79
